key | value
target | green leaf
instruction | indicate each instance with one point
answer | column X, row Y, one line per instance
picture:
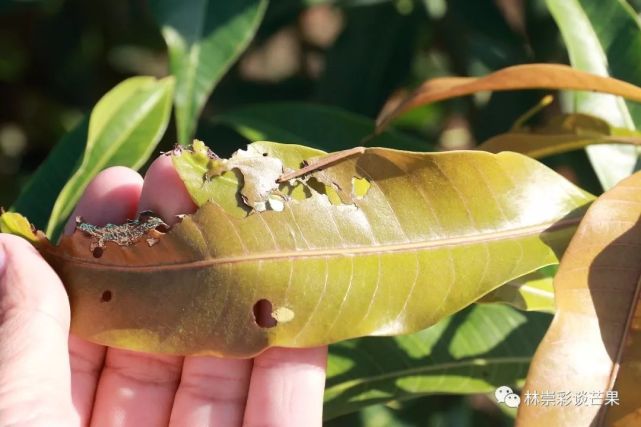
column 534, row 291
column 562, row 134
column 204, row 38
column 318, row 126
column 124, row 128
column 597, row 46
column 474, row 351
column 17, row 225
column 302, row 260
column 38, row 197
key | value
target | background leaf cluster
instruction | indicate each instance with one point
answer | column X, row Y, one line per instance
column 314, row 72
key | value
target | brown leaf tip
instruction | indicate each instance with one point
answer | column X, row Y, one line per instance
column 106, row 296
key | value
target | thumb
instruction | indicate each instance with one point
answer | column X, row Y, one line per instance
column 35, row 385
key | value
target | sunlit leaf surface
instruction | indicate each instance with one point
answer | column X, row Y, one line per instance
column 562, row 134
column 310, row 261
column 528, row 76
column 594, row 343
column 595, row 45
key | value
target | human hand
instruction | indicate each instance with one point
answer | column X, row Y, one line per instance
column 48, row 378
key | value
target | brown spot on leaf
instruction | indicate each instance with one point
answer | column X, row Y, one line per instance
column 97, row 251
column 106, row 296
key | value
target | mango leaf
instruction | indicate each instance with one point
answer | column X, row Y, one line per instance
column 593, row 344
column 473, row 351
column 532, row 292
column 37, row 198
column 595, row 45
column 204, row 39
column 529, row 76
column 562, row 134
column 16, row 224
column 318, row 126
column 124, row 128
column 363, row 242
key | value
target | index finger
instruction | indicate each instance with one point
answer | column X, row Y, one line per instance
column 112, row 196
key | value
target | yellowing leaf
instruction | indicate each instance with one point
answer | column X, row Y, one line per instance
column 433, row 233
column 529, row 76
column 564, row 133
column 594, row 343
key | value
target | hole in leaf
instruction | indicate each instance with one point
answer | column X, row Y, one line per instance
column 298, row 191
column 163, row 228
column 328, row 190
column 97, row 252
column 263, row 314
column 276, row 203
column 146, row 214
column 265, row 154
column 106, row 296
column 360, row 187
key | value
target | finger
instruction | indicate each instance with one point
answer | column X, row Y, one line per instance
column 164, row 192
column 286, row 388
column 138, row 388
column 212, row 392
column 111, row 197
column 35, row 386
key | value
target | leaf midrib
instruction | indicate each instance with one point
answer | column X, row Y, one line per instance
column 324, row 252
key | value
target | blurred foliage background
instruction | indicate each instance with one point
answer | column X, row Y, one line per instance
column 58, row 57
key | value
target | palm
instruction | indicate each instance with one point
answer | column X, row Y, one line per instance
column 95, row 385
